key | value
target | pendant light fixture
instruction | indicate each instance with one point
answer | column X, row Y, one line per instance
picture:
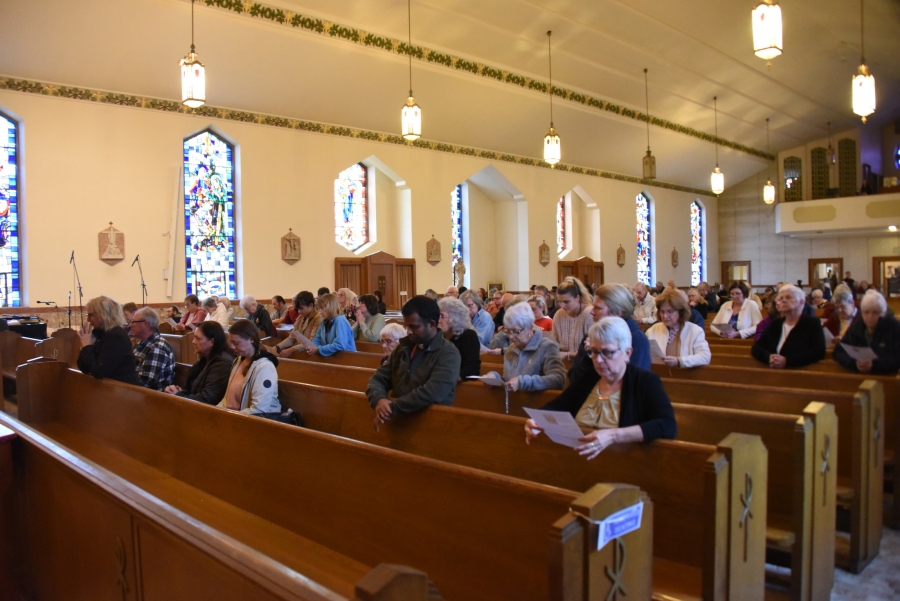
column 410, row 114
column 649, row 159
column 863, row 81
column 717, row 179
column 193, row 75
column 768, row 189
column 552, row 152
column 767, row 31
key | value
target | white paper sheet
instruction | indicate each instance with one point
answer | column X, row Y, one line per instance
column 860, row 353
column 560, row 426
column 829, row 338
column 724, row 328
column 491, row 379
column 171, row 322
column 300, row 338
column 192, row 326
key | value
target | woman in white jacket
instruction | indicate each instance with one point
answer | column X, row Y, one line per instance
column 682, row 342
column 216, row 311
column 740, row 312
column 253, row 383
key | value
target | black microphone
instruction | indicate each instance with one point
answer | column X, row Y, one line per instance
column 135, row 260
column 46, row 302
column 72, row 258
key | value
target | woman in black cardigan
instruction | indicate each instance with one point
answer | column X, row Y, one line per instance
column 622, row 402
column 876, row 330
column 456, row 325
column 106, row 349
column 794, row 339
column 208, row 378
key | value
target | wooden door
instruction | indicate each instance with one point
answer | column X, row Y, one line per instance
column 405, row 287
column 379, row 274
column 348, row 274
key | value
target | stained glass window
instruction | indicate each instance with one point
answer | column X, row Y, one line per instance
column 696, row 243
column 209, row 216
column 351, row 207
column 643, row 240
column 10, row 295
column 456, row 248
column 561, row 226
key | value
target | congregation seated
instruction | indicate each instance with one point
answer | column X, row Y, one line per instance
column 347, row 300
column 279, row 310
column 391, row 335
column 874, row 329
column 645, row 306
column 696, row 318
column 493, row 303
column 452, row 291
column 613, row 300
column 194, row 315
column 817, row 299
column 369, row 321
column 215, row 311
column 252, row 386
column 334, row 333
column 501, row 304
column 456, row 327
column 621, row 402
column 208, row 378
column 843, row 313
column 539, row 308
column 128, row 311
column 698, row 302
column 794, row 339
column 531, row 362
column 423, row 370
column 382, row 308
column 739, row 312
column 683, row 342
column 771, row 315
column 429, row 293
column 481, row 319
column 572, row 321
column 257, row 315
column 173, row 312
column 306, row 325
column 322, row 292
column 106, row 349
column 709, row 296
column 153, row 355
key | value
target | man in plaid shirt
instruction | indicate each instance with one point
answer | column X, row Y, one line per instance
column 155, row 360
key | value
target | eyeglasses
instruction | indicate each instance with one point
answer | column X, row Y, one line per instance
column 138, row 321
column 605, row 353
column 387, row 342
column 513, row 331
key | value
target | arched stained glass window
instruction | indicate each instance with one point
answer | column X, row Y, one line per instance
column 696, row 243
column 351, row 207
column 561, row 226
column 643, row 240
column 10, row 295
column 209, row 216
column 456, row 247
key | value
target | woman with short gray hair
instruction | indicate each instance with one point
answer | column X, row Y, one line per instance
column 623, row 403
column 794, row 339
column 481, row 320
column 457, row 328
column 216, row 311
column 874, row 329
column 843, row 312
column 531, row 362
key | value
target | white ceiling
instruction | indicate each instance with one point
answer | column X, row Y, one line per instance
column 694, row 50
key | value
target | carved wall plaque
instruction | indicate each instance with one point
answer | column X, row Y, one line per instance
column 674, row 258
column 620, row 256
column 290, row 247
column 111, row 245
column 433, row 251
column 544, row 254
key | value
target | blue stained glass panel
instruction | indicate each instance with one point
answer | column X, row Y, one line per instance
column 696, row 244
column 351, row 207
column 10, row 295
column 456, row 248
column 561, row 226
column 209, row 216
column 643, row 240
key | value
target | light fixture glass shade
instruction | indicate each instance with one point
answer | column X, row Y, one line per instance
column 863, row 93
column 767, row 31
column 717, row 181
column 552, row 152
column 768, row 193
column 193, row 81
column 649, row 165
column 411, row 119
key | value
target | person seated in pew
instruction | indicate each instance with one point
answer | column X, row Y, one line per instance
column 623, row 403
column 128, row 310
column 481, row 319
column 531, row 362
column 229, row 311
column 695, row 318
column 817, row 299
column 709, row 296
column 844, row 311
column 644, row 306
column 683, row 342
column 571, row 322
column 452, row 291
column 334, row 333
column 194, row 315
column 613, row 300
column 771, row 315
column 698, row 303
column 208, row 378
column 154, row 357
column 382, row 308
column 390, row 338
column 279, row 310
column 257, row 315
column 369, row 322
column 322, row 292
column 252, row 386
column 173, row 313
column 106, row 349
column 740, row 312
column 539, row 309
column 876, row 330
column 794, row 339
column 307, row 324
column 456, row 326
column 347, row 299
column 423, row 370
column 215, row 311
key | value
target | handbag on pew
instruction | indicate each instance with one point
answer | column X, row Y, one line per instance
column 290, row 417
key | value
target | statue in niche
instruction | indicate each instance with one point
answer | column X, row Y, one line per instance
column 459, row 274
column 111, row 244
column 620, row 256
column 433, row 251
column 290, row 247
column 544, row 254
column 674, row 258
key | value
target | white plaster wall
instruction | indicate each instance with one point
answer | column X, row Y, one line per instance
column 482, row 247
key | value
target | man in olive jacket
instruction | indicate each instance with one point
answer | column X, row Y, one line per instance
column 421, row 371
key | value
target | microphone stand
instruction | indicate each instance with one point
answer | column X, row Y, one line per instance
column 78, row 284
column 143, row 285
column 69, row 311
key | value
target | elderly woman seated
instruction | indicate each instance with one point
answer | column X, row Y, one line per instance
column 771, row 315
column 622, row 402
column 682, row 342
column 258, row 315
column 794, row 339
column 844, row 311
column 390, row 338
column 215, row 311
column 740, row 313
column 456, row 325
column 875, row 330
column 481, row 319
column 531, row 362
column 369, row 321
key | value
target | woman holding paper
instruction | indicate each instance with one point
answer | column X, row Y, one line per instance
column 794, row 339
column 194, row 315
column 305, row 326
column 621, row 402
column 681, row 343
column 531, row 362
column 844, row 311
column 875, row 331
column 740, row 314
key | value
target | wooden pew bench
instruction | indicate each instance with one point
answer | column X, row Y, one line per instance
column 324, row 519
column 182, row 345
column 17, row 350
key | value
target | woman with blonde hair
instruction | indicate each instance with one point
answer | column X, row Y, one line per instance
column 682, row 342
column 334, row 333
column 106, row 351
column 572, row 321
column 698, row 302
column 539, row 308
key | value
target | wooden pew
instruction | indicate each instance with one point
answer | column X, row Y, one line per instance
column 695, row 488
column 17, row 350
column 322, row 523
column 370, row 360
column 182, row 347
column 8, row 587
